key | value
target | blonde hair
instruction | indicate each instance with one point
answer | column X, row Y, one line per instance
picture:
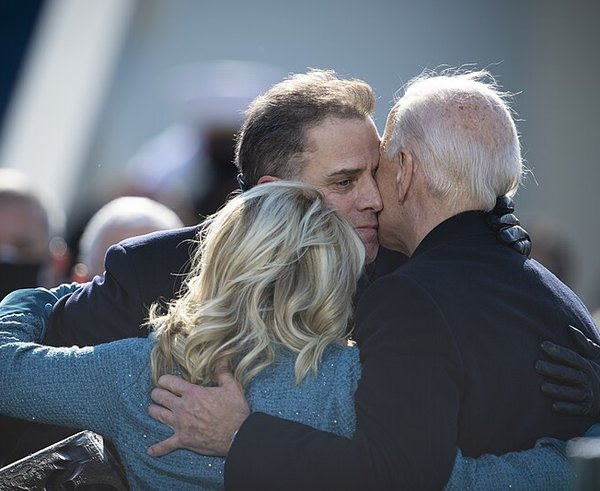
column 274, row 267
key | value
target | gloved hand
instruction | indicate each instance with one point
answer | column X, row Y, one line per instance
column 574, row 378
column 504, row 222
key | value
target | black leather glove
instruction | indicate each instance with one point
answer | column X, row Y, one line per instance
column 507, row 226
column 574, row 378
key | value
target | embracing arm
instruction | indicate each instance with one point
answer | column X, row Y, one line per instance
column 268, row 450
column 544, row 467
column 107, row 308
column 64, row 386
column 139, row 271
column 406, row 410
column 394, row 443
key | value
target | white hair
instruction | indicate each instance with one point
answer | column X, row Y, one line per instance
column 460, row 129
column 119, row 219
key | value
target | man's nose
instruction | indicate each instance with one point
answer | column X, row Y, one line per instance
column 370, row 198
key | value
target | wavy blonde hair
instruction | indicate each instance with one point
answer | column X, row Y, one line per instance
column 274, row 267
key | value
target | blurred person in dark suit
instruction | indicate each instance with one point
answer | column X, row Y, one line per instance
column 550, row 247
column 189, row 165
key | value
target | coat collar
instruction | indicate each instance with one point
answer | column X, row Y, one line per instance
column 466, row 224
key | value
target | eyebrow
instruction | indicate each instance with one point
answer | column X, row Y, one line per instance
column 345, row 173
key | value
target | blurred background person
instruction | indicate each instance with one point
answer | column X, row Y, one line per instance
column 121, row 218
column 32, row 253
column 32, row 249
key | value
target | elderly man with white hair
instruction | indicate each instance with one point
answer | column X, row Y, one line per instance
column 119, row 219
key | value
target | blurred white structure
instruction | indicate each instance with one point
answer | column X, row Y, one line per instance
column 53, row 116
column 182, row 164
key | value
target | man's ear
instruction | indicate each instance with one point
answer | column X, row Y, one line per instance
column 265, row 179
column 405, row 174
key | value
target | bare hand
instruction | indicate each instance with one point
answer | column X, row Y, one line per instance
column 203, row 419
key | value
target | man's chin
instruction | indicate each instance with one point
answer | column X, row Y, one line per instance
column 371, row 250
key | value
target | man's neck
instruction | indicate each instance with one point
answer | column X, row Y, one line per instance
column 427, row 218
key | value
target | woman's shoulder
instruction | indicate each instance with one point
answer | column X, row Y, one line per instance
column 338, row 371
column 338, row 356
column 323, row 399
column 337, row 360
column 126, row 359
column 340, row 367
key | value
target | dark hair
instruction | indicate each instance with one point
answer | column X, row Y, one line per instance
column 272, row 139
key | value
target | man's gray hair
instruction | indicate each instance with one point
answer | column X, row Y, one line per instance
column 126, row 213
column 460, row 128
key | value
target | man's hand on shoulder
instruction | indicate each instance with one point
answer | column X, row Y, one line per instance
column 203, row 419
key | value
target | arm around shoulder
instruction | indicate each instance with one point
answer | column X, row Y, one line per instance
column 107, row 308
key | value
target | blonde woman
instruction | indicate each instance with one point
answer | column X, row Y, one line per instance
column 269, row 295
